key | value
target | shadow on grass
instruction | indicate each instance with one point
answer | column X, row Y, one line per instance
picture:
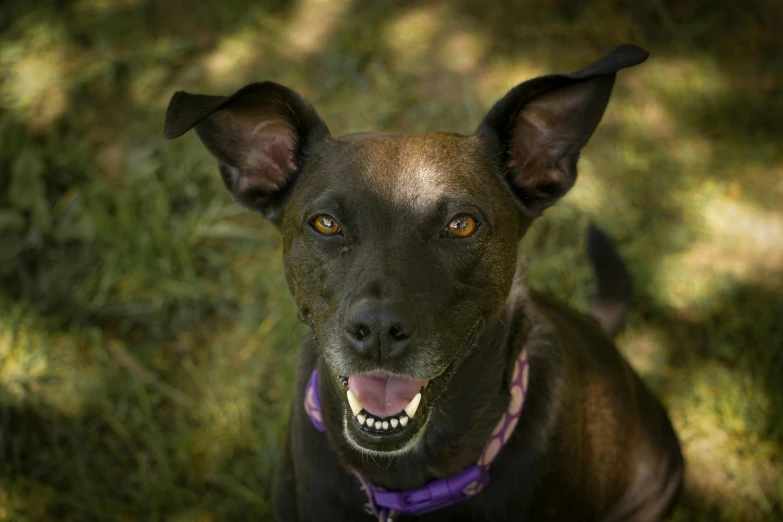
column 720, row 351
column 97, row 467
column 723, row 333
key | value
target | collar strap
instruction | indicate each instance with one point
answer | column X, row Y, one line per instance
column 444, row 492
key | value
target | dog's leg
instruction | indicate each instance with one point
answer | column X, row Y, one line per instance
column 657, row 473
column 653, row 494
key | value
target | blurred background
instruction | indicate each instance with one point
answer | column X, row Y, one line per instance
column 147, row 338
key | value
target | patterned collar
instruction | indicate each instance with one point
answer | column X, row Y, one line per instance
column 384, row 504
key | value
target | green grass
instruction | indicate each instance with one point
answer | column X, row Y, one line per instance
column 147, row 339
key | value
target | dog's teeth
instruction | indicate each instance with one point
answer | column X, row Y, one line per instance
column 385, row 425
column 361, row 418
column 356, row 406
column 412, row 406
column 370, row 421
column 403, row 421
column 394, row 423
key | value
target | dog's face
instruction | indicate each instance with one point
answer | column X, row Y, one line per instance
column 399, row 248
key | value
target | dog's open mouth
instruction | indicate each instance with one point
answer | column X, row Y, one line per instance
column 386, row 410
column 386, row 413
column 382, row 403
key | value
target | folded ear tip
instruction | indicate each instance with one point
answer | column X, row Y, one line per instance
column 633, row 53
column 169, row 132
column 171, row 128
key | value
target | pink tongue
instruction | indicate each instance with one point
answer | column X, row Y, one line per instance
column 383, row 395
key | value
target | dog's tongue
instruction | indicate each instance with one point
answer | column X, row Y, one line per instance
column 383, row 395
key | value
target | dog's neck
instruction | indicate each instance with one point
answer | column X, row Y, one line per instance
column 462, row 418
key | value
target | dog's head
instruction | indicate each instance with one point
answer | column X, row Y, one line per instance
column 399, row 248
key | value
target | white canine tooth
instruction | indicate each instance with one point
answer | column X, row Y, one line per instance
column 385, row 425
column 361, row 418
column 412, row 406
column 370, row 421
column 403, row 421
column 394, row 423
column 356, row 406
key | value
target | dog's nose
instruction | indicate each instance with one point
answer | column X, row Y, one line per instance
column 380, row 329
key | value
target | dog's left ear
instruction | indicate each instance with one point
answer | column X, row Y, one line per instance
column 537, row 130
column 261, row 137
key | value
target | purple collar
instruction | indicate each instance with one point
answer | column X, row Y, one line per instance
column 439, row 493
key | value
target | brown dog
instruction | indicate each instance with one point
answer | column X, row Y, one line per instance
column 444, row 389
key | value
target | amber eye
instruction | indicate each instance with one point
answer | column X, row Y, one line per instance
column 462, row 226
column 326, row 225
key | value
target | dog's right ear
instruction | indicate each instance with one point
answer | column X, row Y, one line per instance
column 260, row 136
column 536, row 131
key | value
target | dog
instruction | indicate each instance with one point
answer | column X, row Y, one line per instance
column 433, row 384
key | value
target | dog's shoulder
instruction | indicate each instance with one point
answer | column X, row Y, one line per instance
column 580, row 335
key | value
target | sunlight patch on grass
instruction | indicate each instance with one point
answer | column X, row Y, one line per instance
column 647, row 115
column 313, row 23
column 753, row 233
column 462, row 50
column 34, row 82
column 645, row 349
column 224, row 412
column 717, row 415
column 227, row 63
column 680, row 77
column 24, row 503
column 737, row 257
column 422, row 33
column 693, row 153
column 242, row 376
column 737, row 242
column 41, row 367
column 104, row 5
column 502, row 74
column 22, row 364
column 590, row 191
column 242, row 55
column 412, row 34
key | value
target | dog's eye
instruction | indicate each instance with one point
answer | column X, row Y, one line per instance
column 326, row 225
column 462, row 226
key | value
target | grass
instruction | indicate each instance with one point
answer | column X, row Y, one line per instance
column 147, row 339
